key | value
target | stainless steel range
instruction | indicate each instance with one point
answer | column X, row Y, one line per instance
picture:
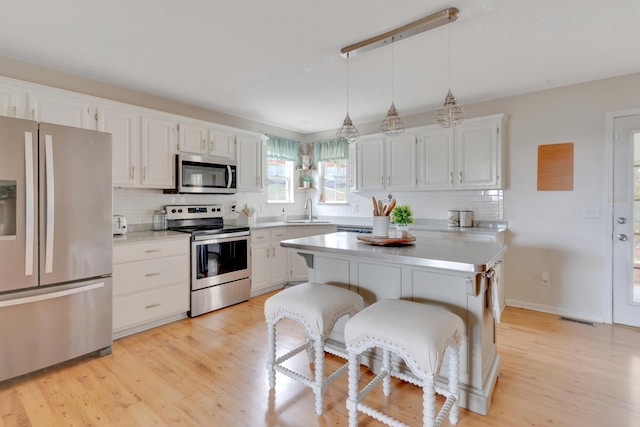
column 220, row 256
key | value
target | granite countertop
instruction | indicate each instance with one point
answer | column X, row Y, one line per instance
column 148, row 236
column 461, row 256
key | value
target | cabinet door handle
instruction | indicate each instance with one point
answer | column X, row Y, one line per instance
column 274, row 252
column 381, row 179
column 460, row 177
column 144, row 172
column 152, row 250
column 151, row 274
column 451, row 177
column 153, row 305
column 389, row 180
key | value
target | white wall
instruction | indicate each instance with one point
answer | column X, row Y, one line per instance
column 547, row 231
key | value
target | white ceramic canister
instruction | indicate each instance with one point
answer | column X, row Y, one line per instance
column 453, row 219
column 380, row 226
column 466, row 219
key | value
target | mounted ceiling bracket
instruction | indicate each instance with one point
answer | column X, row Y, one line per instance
column 427, row 23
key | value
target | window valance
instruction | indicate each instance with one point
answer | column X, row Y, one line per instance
column 282, row 148
column 332, row 149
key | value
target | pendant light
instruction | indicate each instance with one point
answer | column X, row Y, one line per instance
column 348, row 131
column 392, row 125
column 450, row 114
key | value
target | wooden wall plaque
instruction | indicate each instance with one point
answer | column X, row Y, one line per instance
column 555, row 167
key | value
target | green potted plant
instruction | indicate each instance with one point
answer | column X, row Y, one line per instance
column 402, row 217
column 306, row 181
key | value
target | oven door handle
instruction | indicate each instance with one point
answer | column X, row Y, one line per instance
column 220, row 238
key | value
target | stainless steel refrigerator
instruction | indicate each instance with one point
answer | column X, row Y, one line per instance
column 55, row 245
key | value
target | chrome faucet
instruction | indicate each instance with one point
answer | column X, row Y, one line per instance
column 309, row 205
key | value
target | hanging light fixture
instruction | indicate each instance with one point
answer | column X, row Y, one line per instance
column 450, row 114
column 392, row 125
column 348, row 131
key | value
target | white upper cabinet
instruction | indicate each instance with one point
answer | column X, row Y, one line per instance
column 158, row 148
column 371, row 171
column 193, row 137
column 204, row 138
column 479, row 153
column 123, row 125
column 386, row 163
column 250, row 160
column 353, row 168
column 60, row 108
column 466, row 157
column 221, row 143
column 435, row 158
column 9, row 96
column 401, row 162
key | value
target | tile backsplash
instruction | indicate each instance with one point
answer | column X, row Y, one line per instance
column 138, row 205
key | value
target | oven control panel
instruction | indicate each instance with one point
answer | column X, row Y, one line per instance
column 194, row 211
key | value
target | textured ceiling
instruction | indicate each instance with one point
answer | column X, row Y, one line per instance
column 278, row 61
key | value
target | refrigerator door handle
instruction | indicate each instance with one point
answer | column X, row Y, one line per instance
column 48, row 255
column 29, row 203
column 50, row 295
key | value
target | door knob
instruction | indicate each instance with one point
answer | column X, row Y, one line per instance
column 622, row 237
column 622, row 220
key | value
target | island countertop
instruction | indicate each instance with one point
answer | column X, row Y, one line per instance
column 462, row 256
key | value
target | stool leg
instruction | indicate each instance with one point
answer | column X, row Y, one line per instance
column 271, row 353
column 317, row 388
column 429, row 402
column 454, row 361
column 352, row 400
column 386, row 365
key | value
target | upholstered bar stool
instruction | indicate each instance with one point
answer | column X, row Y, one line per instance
column 420, row 334
column 316, row 307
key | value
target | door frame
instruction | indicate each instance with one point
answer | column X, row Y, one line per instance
column 609, row 140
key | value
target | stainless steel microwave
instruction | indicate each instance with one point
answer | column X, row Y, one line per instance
column 204, row 175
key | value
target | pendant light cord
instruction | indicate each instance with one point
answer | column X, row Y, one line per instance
column 449, row 78
column 393, row 39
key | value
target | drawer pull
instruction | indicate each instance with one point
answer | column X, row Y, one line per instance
column 154, row 305
column 151, row 274
column 152, row 250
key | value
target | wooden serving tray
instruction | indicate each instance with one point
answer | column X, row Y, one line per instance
column 407, row 239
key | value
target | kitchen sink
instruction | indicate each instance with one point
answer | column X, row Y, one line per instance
column 306, row 221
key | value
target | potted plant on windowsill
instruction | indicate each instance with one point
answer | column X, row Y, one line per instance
column 402, row 217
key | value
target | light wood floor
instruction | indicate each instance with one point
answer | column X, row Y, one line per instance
column 210, row 371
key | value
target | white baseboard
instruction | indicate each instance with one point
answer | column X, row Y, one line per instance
column 554, row 310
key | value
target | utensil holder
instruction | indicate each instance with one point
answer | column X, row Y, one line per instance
column 380, row 226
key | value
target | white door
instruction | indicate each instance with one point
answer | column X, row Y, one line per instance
column 626, row 221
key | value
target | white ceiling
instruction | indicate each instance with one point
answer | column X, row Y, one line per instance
column 278, row 61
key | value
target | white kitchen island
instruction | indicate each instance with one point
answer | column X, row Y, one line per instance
column 454, row 274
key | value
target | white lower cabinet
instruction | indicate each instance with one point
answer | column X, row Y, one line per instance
column 272, row 265
column 150, row 284
column 268, row 260
column 298, row 270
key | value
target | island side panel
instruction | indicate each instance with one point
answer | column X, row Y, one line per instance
column 450, row 292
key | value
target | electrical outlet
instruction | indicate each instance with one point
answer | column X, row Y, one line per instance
column 591, row 212
column 354, row 208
